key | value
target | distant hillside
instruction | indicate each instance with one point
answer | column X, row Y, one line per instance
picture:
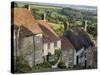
column 58, row 13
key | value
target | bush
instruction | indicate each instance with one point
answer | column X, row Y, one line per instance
column 21, row 65
column 52, row 59
column 45, row 64
column 61, row 65
column 53, row 62
column 41, row 67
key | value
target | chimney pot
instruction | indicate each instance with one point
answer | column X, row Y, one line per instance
column 66, row 27
column 44, row 17
column 85, row 25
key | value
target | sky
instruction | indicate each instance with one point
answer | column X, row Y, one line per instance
column 75, row 2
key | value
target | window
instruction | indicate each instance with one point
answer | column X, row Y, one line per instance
column 55, row 44
column 48, row 45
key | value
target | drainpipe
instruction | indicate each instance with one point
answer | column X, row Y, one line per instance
column 17, row 41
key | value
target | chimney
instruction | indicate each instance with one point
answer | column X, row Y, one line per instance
column 85, row 25
column 44, row 17
column 66, row 25
column 28, row 7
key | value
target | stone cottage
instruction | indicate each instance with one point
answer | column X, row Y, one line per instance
column 27, row 36
column 91, row 57
column 80, row 40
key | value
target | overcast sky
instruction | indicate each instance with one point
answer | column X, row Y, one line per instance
column 75, row 2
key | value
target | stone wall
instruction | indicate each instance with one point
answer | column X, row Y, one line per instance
column 31, row 48
column 91, row 56
column 38, row 49
column 68, row 57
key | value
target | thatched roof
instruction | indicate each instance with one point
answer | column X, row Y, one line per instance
column 48, row 33
column 85, row 38
column 79, row 38
column 23, row 17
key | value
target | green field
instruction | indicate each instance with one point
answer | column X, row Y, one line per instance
column 58, row 28
column 40, row 6
column 45, row 7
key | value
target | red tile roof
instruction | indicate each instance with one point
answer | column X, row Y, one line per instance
column 65, row 43
column 22, row 17
column 49, row 34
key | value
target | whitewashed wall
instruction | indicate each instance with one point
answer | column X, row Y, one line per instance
column 52, row 48
column 58, row 44
column 78, row 53
column 45, row 48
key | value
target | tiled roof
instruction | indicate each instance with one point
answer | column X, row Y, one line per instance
column 65, row 43
column 23, row 17
column 48, row 34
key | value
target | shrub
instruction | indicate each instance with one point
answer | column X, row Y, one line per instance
column 52, row 59
column 45, row 64
column 61, row 65
column 21, row 65
column 41, row 67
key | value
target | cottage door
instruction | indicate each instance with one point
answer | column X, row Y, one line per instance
column 85, row 63
column 77, row 60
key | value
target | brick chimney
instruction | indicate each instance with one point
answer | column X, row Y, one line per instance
column 85, row 25
column 44, row 17
column 66, row 27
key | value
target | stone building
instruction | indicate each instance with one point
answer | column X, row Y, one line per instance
column 80, row 40
column 91, row 57
column 27, row 36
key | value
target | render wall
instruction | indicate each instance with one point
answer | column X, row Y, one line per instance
column 52, row 48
